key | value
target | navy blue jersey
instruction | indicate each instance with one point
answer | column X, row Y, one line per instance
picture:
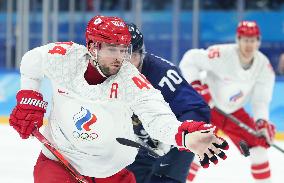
column 166, row 77
column 186, row 104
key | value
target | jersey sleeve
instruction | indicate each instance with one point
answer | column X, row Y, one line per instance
column 61, row 62
column 31, row 69
column 262, row 92
column 193, row 62
column 196, row 62
column 149, row 105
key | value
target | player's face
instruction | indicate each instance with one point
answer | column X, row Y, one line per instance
column 135, row 59
column 248, row 46
column 110, row 57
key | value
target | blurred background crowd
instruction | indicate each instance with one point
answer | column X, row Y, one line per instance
column 170, row 28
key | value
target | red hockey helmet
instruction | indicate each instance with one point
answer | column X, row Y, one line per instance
column 248, row 28
column 112, row 30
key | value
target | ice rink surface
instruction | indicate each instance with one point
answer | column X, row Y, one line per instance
column 17, row 158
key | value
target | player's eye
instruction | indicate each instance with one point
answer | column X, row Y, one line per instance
column 123, row 51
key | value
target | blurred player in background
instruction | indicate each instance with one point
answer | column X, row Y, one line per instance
column 95, row 92
column 235, row 74
column 184, row 101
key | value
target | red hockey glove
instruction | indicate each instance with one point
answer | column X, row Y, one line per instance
column 201, row 139
column 28, row 113
column 202, row 90
column 267, row 130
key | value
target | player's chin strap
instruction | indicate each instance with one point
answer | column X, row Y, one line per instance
column 142, row 56
column 96, row 63
column 140, row 64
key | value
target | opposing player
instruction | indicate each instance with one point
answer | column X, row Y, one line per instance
column 235, row 74
column 184, row 101
column 95, row 92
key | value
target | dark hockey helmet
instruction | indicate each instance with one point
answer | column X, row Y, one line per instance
column 136, row 38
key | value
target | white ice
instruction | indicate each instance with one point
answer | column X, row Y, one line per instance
column 17, row 158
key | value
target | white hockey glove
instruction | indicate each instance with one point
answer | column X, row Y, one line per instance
column 201, row 139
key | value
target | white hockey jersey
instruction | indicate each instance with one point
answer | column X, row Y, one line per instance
column 85, row 120
column 230, row 85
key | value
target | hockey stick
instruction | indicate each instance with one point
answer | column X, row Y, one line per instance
column 132, row 143
column 245, row 127
column 59, row 156
column 244, row 148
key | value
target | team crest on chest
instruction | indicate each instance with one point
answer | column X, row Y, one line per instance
column 83, row 120
column 236, row 96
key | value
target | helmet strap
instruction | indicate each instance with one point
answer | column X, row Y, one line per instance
column 140, row 63
column 94, row 59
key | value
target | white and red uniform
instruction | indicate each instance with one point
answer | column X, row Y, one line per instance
column 231, row 87
column 85, row 119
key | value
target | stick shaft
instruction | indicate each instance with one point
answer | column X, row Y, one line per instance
column 59, row 156
column 245, row 127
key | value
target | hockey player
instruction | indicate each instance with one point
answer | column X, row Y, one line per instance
column 95, row 92
column 235, row 74
column 184, row 101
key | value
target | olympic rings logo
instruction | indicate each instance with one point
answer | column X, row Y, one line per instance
column 85, row 136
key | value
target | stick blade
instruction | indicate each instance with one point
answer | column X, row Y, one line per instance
column 244, row 148
column 127, row 142
column 131, row 143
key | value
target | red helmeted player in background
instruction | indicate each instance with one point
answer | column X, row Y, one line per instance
column 235, row 74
